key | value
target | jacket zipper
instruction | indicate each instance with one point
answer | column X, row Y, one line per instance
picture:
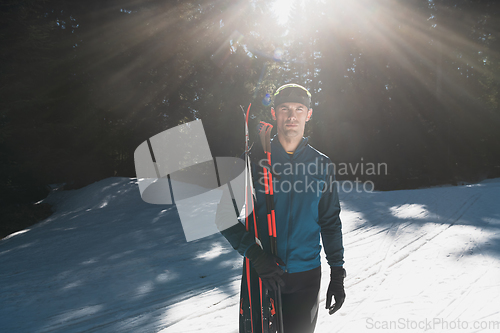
column 289, row 219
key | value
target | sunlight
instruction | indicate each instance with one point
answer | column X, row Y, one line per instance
column 410, row 211
column 216, row 250
column 281, row 8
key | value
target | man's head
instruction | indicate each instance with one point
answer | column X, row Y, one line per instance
column 292, row 109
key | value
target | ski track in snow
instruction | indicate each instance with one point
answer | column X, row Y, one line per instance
column 107, row 262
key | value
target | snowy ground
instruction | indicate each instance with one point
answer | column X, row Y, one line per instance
column 107, row 262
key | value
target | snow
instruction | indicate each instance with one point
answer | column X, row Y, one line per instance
column 105, row 261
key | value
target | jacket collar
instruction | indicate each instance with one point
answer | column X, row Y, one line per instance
column 277, row 147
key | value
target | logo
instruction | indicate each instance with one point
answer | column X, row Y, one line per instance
column 176, row 166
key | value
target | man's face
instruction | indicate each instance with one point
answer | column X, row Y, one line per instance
column 291, row 119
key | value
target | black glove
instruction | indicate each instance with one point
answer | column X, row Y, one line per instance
column 266, row 266
column 336, row 289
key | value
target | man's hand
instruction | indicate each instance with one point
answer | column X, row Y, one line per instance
column 266, row 266
column 336, row 289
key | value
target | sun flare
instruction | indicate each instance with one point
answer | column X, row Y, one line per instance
column 281, row 8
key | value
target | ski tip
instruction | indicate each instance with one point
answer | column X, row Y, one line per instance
column 248, row 112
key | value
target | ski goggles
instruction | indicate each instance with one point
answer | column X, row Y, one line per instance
column 292, row 93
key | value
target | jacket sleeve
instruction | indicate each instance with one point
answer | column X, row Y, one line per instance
column 230, row 227
column 329, row 221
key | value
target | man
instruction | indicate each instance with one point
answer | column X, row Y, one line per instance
column 306, row 207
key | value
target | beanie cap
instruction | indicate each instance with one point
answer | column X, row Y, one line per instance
column 292, row 93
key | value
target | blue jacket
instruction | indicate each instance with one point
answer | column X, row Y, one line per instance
column 306, row 206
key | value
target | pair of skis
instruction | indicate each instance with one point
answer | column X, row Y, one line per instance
column 265, row 316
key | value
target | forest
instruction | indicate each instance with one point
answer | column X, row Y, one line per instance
column 410, row 85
